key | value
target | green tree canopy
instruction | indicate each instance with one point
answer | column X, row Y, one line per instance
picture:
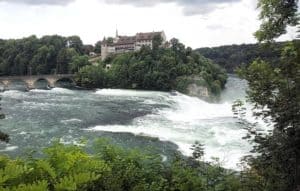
column 276, row 16
column 275, row 92
column 33, row 55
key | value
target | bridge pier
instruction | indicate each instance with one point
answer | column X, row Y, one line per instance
column 5, row 84
column 52, row 82
column 30, row 84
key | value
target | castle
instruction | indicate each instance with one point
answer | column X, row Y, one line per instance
column 122, row 44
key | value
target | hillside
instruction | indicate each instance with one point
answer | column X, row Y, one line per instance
column 232, row 56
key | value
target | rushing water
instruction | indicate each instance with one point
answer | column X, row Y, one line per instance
column 35, row 118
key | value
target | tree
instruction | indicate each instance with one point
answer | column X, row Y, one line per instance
column 40, row 61
column 98, row 47
column 275, row 92
column 31, row 55
column 157, row 41
column 87, row 49
column 276, row 15
column 64, row 57
column 76, row 43
column 233, row 56
column 78, row 62
column 91, row 76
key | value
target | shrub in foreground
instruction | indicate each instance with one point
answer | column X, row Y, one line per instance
column 111, row 168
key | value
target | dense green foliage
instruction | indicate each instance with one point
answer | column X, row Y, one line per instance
column 274, row 91
column 111, row 168
column 276, row 15
column 46, row 55
column 78, row 62
column 233, row 56
column 98, row 47
column 276, row 94
column 154, row 69
column 278, row 90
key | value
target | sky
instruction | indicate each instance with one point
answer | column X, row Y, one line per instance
column 196, row 23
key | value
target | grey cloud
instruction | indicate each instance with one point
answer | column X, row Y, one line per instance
column 190, row 7
column 190, row 10
column 40, row 2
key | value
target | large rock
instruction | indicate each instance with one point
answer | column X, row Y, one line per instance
column 193, row 86
column 198, row 91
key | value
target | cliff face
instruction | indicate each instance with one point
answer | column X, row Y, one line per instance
column 198, row 91
column 194, row 86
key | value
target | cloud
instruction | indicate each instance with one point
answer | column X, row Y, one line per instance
column 216, row 27
column 40, row 2
column 190, row 7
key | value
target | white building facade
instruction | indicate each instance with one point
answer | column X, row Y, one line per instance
column 123, row 44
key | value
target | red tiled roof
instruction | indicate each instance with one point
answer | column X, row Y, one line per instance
column 146, row 36
column 125, row 40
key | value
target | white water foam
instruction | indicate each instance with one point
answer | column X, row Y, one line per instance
column 23, row 133
column 54, row 90
column 69, row 140
column 40, row 91
column 13, row 94
column 192, row 108
column 9, row 148
column 190, row 119
column 127, row 93
column 16, row 94
column 74, row 120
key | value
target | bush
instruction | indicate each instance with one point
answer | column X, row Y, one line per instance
column 111, row 168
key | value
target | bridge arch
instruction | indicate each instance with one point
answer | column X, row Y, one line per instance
column 16, row 84
column 41, row 83
column 67, row 80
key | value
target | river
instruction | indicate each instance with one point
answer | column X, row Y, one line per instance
column 36, row 118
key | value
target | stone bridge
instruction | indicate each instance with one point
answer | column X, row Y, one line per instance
column 30, row 81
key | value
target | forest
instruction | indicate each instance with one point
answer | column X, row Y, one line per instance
column 45, row 55
column 233, row 56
